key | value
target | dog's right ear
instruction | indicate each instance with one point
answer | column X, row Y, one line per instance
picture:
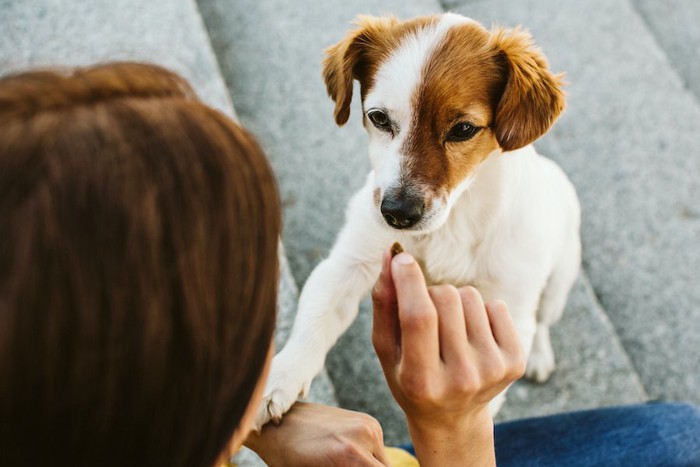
column 354, row 57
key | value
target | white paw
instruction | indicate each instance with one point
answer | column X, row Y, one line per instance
column 284, row 385
column 540, row 363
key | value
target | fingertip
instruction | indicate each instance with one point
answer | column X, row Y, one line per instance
column 497, row 306
column 403, row 259
column 402, row 264
column 469, row 294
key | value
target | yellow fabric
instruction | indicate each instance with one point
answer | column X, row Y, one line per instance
column 400, row 458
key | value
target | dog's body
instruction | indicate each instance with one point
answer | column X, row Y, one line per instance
column 451, row 110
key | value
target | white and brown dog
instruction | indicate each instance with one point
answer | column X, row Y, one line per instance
column 450, row 109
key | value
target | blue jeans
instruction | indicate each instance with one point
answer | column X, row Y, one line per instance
column 654, row 434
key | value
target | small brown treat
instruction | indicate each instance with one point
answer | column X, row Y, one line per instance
column 396, row 248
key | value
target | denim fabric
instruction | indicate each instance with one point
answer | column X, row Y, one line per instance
column 654, row 434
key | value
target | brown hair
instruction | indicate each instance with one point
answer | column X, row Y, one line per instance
column 138, row 269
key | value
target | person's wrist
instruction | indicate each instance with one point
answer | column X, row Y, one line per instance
column 469, row 438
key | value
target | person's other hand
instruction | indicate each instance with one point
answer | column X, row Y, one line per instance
column 319, row 435
column 445, row 355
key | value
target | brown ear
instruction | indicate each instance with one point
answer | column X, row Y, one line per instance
column 532, row 99
column 352, row 58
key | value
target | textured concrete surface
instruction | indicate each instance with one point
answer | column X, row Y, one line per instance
column 629, row 140
column 675, row 25
column 44, row 33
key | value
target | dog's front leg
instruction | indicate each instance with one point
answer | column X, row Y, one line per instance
column 328, row 304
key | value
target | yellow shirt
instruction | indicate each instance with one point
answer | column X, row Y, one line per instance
column 400, row 458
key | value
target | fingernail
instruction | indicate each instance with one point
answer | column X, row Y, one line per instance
column 404, row 258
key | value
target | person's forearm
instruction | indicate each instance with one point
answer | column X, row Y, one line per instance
column 472, row 445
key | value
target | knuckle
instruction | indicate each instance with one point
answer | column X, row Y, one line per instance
column 518, row 366
column 416, row 388
column 466, row 382
column 378, row 295
column 377, row 429
column 419, row 320
column 379, row 347
column 346, row 449
column 494, row 371
column 370, row 427
column 444, row 294
column 378, row 342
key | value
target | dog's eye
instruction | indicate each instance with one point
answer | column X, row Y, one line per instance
column 380, row 119
column 462, row 132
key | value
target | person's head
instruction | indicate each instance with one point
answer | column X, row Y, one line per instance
column 138, row 270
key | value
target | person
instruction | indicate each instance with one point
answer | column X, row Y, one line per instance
column 138, row 276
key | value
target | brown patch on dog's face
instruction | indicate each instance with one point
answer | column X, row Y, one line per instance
column 440, row 94
column 462, row 84
column 360, row 53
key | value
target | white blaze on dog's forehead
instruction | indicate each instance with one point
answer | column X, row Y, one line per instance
column 396, row 82
column 398, row 78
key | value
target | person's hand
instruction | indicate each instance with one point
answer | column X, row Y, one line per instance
column 445, row 355
column 319, row 435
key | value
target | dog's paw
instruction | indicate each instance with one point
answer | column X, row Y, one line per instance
column 540, row 363
column 284, row 385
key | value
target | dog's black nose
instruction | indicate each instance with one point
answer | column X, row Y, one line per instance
column 402, row 212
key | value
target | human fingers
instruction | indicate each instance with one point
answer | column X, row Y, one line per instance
column 506, row 336
column 365, row 442
column 451, row 326
column 475, row 317
column 417, row 315
column 385, row 323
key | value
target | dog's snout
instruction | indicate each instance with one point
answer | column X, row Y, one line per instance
column 402, row 212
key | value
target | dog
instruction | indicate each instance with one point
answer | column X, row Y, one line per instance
column 451, row 110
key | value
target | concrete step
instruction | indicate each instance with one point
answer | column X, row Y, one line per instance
column 675, row 27
column 629, row 140
column 44, row 33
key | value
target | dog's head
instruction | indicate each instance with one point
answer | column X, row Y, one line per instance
column 439, row 95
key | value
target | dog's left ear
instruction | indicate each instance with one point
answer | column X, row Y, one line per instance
column 532, row 98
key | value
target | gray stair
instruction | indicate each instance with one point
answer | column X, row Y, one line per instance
column 675, row 25
column 44, row 33
column 629, row 140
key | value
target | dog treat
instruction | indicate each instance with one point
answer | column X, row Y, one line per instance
column 396, row 248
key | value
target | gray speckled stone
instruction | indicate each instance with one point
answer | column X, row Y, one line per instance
column 44, row 33
column 629, row 140
column 593, row 369
column 675, row 26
